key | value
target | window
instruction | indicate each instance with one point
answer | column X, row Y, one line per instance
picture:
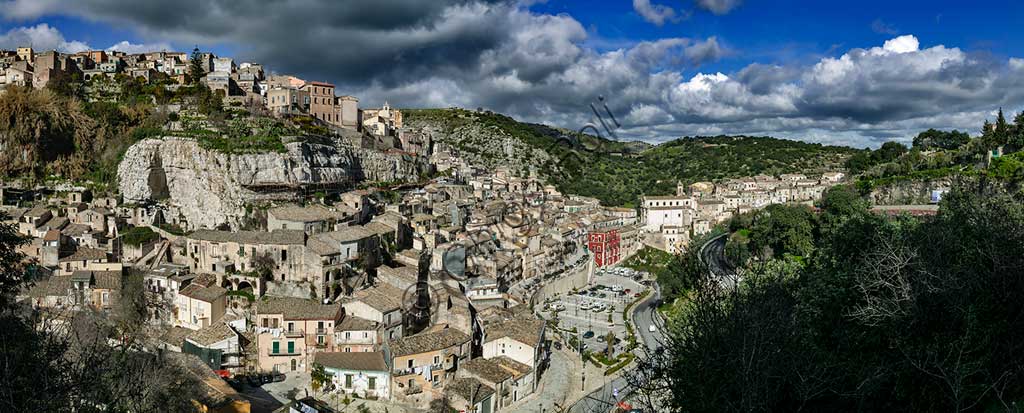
column 291, row 347
column 435, row 379
column 437, row 360
column 372, row 385
column 348, row 381
column 320, row 339
column 265, row 323
column 276, row 347
column 348, row 335
column 410, row 363
column 291, row 326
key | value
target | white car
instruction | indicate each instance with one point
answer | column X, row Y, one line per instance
column 585, row 306
column 652, row 328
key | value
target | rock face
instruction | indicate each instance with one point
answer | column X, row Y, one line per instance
column 209, row 188
column 908, row 192
column 480, row 144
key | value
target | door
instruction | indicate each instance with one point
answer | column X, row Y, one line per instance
column 293, row 365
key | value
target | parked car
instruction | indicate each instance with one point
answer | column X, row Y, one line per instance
column 588, row 334
column 651, row 328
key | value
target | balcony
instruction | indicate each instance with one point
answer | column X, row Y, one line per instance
column 293, row 333
column 284, row 352
column 323, row 331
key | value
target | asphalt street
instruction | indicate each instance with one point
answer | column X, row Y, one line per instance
column 644, row 315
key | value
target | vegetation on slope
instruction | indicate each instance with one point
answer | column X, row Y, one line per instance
column 880, row 314
column 944, row 154
column 619, row 173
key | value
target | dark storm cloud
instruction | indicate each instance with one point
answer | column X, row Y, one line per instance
column 504, row 57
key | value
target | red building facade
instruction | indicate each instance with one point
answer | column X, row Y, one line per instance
column 605, row 246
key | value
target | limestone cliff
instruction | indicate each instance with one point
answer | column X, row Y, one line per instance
column 208, row 188
column 908, row 192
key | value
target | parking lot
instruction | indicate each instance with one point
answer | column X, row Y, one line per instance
column 597, row 309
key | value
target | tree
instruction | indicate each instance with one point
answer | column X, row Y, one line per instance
column 196, row 71
column 887, row 314
column 890, row 151
column 1017, row 137
column 936, row 139
column 79, row 360
column 782, row 229
column 264, row 265
column 1002, row 129
column 859, row 162
column 319, row 378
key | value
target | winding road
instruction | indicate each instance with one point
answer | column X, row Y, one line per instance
column 712, row 253
column 645, row 314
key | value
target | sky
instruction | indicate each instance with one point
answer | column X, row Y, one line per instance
column 847, row 73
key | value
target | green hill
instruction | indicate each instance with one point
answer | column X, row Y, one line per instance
column 615, row 172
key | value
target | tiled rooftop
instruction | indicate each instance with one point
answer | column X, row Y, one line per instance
column 425, row 342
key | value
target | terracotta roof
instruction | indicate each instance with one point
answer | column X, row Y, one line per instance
column 202, row 293
column 470, row 389
column 487, row 369
column 175, row 336
column 109, row 280
column 36, row 212
column 311, row 213
column 84, row 254
column 51, row 235
column 212, row 334
column 425, row 342
column 54, row 286
column 358, row 361
column 297, row 308
column 352, row 323
column 275, row 237
column 523, row 330
column 76, row 229
column 518, row 369
column 382, row 298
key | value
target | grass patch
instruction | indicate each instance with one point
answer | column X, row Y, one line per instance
column 137, row 236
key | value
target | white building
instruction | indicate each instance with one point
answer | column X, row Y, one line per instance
column 364, row 374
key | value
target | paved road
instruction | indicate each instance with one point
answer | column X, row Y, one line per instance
column 553, row 387
column 645, row 315
column 713, row 255
column 604, row 398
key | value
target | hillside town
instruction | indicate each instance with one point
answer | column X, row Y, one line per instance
column 403, row 294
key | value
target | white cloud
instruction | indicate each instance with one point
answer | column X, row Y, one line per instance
column 41, row 37
column 719, row 6
column 656, row 14
column 903, row 44
column 128, row 47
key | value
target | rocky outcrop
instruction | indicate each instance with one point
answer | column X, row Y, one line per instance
column 208, row 188
column 909, row 192
column 478, row 142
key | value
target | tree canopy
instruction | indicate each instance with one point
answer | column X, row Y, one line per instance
column 885, row 314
